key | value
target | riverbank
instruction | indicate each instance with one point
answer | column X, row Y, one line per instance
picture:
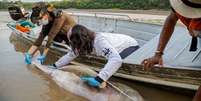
column 152, row 16
column 101, row 4
column 150, row 12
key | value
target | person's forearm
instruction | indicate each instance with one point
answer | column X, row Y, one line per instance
column 33, row 49
column 50, row 41
column 45, row 51
column 37, row 43
column 110, row 68
column 167, row 32
column 66, row 59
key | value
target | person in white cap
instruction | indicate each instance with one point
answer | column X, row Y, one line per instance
column 113, row 47
column 189, row 13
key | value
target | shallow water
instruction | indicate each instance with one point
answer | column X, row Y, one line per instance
column 20, row 82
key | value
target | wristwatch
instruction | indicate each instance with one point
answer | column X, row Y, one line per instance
column 158, row 52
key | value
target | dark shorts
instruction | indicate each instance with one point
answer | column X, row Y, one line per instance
column 128, row 51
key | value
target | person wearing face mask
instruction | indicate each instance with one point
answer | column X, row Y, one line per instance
column 55, row 24
column 114, row 47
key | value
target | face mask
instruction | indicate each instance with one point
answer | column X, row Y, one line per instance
column 44, row 21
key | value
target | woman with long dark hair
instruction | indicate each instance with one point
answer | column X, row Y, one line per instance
column 114, row 47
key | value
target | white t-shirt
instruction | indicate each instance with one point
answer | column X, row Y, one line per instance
column 108, row 45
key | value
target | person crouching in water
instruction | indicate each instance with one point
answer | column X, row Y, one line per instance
column 114, row 47
column 55, row 24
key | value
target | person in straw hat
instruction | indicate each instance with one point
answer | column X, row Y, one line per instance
column 189, row 13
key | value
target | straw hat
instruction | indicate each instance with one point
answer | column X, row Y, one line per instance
column 187, row 8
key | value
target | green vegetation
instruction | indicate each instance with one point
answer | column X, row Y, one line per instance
column 110, row 4
column 3, row 5
column 105, row 4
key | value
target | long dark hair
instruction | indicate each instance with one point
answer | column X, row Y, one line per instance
column 81, row 39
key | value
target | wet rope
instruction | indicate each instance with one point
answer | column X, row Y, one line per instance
column 122, row 92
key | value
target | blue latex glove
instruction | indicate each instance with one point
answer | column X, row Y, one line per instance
column 91, row 81
column 41, row 59
column 28, row 58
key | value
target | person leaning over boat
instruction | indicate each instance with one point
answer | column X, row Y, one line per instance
column 189, row 13
column 114, row 47
column 55, row 24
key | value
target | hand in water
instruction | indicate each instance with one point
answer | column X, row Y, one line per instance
column 28, row 58
column 41, row 59
column 91, row 81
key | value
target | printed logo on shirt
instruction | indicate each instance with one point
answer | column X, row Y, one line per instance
column 107, row 52
column 71, row 53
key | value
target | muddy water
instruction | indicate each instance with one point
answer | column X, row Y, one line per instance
column 19, row 82
column 156, row 93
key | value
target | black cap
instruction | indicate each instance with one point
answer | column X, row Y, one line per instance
column 39, row 8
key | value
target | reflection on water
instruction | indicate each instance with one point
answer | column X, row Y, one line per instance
column 20, row 82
